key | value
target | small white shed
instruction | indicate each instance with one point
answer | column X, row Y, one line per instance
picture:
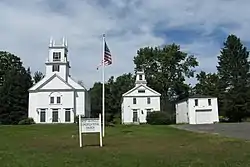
column 197, row 109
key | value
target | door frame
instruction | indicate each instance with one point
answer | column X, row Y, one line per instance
column 135, row 111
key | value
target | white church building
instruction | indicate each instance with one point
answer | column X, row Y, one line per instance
column 139, row 101
column 57, row 98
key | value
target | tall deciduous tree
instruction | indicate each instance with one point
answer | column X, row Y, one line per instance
column 166, row 69
column 233, row 72
column 15, row 82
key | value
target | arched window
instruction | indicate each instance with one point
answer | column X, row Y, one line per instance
column 55, row 98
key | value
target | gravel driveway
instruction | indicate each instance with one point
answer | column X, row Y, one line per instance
column 235, row 130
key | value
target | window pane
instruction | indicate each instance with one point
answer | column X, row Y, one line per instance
column 196, row 102
column 148, row 100
column 55, row 115
column 141, row 91
column 67, row 115
column 58, row 100
column 140, row 77
column 52, row 100
column 55, row 67
column 134, row 100
column 56, row 56
column 42, row 116
column 209, row 102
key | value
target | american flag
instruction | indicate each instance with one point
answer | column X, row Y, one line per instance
column 107, row 56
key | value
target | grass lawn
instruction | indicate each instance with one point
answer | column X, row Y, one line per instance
column 124, row 146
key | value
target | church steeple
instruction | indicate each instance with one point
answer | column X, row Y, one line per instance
column 140, row 78
column 57, row 62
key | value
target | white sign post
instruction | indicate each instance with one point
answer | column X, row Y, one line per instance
column 90, row 125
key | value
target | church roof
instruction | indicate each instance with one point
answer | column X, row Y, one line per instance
column 139, row 86
column 70, row 85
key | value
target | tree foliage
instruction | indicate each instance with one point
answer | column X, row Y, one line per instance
column 38, row 75
column 166, row 69
column 15, row 82
column 207, row 84
column 233, row 72
column 114, row 88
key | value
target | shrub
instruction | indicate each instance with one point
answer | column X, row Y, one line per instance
column 117, row 119
column 223, row 119
column 160, row 118
column 26, row 121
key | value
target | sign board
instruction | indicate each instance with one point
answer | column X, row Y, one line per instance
column 90, row 125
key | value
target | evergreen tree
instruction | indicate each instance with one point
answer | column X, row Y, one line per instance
column 38, row 76
column 233, row 72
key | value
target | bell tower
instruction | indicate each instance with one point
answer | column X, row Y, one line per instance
column 140, row 78
column 57, row 62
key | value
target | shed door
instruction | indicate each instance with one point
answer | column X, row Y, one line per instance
column 203, row 116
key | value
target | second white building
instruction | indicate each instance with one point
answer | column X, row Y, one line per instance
column 139, row 101
column 197, row 109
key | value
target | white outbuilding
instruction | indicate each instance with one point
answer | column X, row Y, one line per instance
column 197, row 109
column 138, row 102
column 58, row 98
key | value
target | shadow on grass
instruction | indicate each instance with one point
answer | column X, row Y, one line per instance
column 92, row 145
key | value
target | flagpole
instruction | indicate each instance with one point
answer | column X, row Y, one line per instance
column 103, row 87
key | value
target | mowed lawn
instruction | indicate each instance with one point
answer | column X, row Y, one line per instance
column 124, row 146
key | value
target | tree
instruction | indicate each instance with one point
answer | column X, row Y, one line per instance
column 114, row 88
column 207, row 84
column 233, row 72
column 166, row 69
column 15, row 82
column 96, row 99
column 38, row 76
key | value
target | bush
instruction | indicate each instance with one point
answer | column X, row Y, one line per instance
column 223, row 119
column 117, row 119
column 26, row 121
column 108, row 118
column 160, row 118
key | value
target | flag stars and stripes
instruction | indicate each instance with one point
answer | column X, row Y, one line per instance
column 107, row 57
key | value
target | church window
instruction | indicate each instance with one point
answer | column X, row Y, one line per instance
column 67, row 115
column 140, row 77
column 42, row 115
column 58, row 99
column 51, row 100
column 55, row 67
column 56, row 56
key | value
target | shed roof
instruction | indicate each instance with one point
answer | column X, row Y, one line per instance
column 195, row 96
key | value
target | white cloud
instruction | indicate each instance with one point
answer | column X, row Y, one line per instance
column 27, row 25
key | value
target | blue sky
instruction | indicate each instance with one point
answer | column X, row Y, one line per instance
column 199, row 27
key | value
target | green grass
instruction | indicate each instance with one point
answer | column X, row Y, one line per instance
column 124, row 146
